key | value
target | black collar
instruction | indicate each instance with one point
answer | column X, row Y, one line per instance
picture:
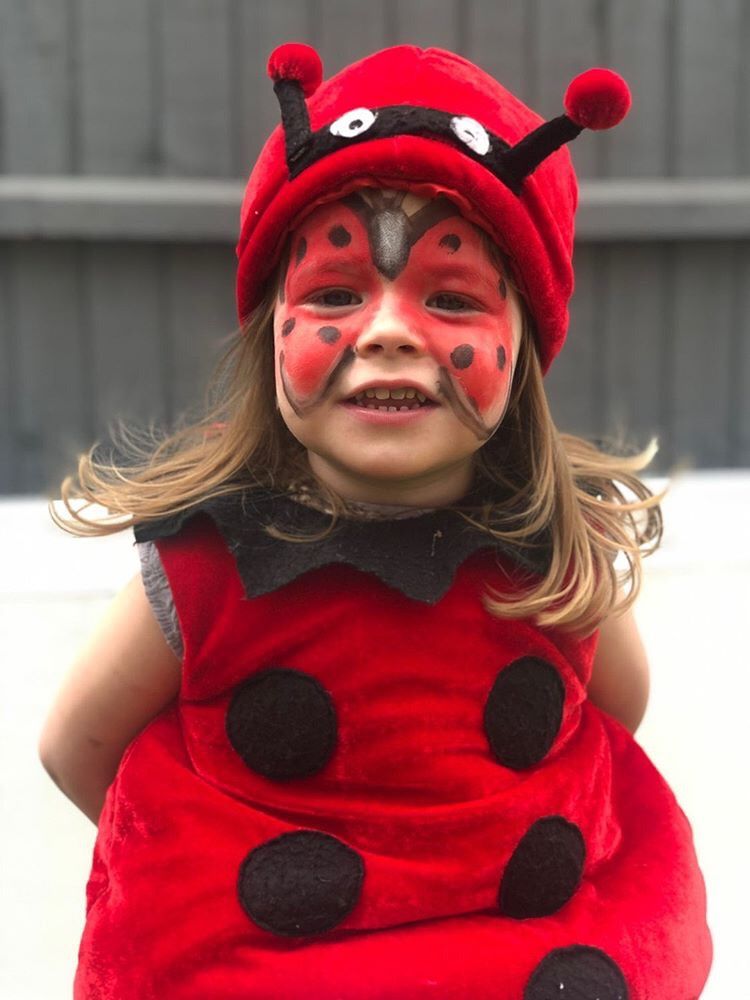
column 417, row 555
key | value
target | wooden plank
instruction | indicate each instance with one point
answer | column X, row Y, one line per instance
column 260, row 27
column 200, row 318
column 637, row 46
column 572, row 382
column 94, row 208
column 116, row 87
column 347, row 31
column 8, row 400
column 196, row 119
column 36, row 82
column 700, row 366
column 442, row 28
column 632, row 331
column 496, row 36
column 569, row 39
column 124, row 306
column 709, row 57
column 739, row 416
column 53, row 389
column 120, row 209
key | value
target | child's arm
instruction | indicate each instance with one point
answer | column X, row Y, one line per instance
column 620, row 679
column 122, row 678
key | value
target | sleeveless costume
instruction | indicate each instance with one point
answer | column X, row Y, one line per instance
column 371, row 787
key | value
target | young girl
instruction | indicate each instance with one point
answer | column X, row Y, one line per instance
column 358, row 732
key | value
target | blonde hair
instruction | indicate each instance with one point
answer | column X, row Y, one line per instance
column 551, row 492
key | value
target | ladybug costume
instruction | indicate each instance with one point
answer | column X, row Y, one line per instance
column 370, row 786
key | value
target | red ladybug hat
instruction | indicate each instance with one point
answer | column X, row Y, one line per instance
column 427, row 119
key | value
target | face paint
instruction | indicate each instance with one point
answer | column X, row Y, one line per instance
column 391, row 232
column 348, row 254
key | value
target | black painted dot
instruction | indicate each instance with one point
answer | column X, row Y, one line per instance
column 503, row 289
column 544, row 870
column 451, row 242
column 300, row 883
column 462, row 356
column 288, row 326
column 340, row 236
column 577, row 973
column 523, row 712
column 329, row 334
column 301, row 249
column 501, row 357
column 283, row 724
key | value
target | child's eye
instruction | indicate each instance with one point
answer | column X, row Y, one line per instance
column 450, row 302
column 334, row 297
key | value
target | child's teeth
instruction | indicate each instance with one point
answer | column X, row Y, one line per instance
column 398, row 393
column 382, row 393
column 421, row 398
column 370, row 393
column 411, row 393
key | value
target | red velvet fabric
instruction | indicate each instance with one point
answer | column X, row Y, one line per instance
column 535, row 229
column 411, row 786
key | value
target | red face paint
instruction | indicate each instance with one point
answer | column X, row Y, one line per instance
column 447, row 291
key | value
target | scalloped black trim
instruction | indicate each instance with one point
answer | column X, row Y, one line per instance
column 416, row 555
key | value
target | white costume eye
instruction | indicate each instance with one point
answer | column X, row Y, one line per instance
column 353, row 123
column 470, row 132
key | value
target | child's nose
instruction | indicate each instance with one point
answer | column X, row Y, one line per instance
column 390, row 332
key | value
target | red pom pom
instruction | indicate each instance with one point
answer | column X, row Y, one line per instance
column 296, row 61
column 597, row 99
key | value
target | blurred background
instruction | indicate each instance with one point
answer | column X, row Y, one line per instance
column 126, row 133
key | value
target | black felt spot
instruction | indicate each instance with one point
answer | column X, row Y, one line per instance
column 329, row 334
column 301, row 250
column 300, row 883
column 340, row 236
column 577, row 973
column 451, row 242
column 523, row 712
column 503, row 289
column 288, row 326
column 462, row 356
column 545, row 869
column 282, row 723
column 501, row 357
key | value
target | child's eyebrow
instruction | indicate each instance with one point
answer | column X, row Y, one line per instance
column 465, row 273
column 348, row 264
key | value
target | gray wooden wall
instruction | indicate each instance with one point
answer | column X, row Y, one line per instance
column 127, row 127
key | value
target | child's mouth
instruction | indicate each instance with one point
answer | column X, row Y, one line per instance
column 391, row 400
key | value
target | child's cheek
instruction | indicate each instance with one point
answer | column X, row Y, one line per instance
column 478, row 365
column 309, row 353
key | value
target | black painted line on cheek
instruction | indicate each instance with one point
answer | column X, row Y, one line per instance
column 503, row 289
column 464, row 414
column 502, row 357
column 288, row 326
column 347, row 357
column 287, row 390
column 301, row 250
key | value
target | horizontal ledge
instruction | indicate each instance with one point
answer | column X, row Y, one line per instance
column 177, row 210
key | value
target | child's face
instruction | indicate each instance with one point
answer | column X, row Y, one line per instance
column 387, row 295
